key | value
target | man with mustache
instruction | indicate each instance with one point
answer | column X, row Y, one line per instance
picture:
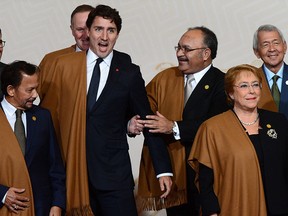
column 270, row 46
column 32, row 180
column 182, row 97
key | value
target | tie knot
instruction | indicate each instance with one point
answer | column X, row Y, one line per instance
column 189, row 78
column 99, row 60
column 18, row 113
column 275, row 78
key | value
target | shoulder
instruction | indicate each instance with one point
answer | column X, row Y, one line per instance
column 122, row 56
column 71, row 58
column 216, row 72
column 169, row 74
column 55, row 54
column 38, row 110
column 270, row 114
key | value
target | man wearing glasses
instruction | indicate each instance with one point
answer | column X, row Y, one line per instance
column 2, row 44
column 182, row 98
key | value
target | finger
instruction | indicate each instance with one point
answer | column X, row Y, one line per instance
column 19, row 190
column 154, row 131
column 152, row 117
column 22, row 198
column 13, row 210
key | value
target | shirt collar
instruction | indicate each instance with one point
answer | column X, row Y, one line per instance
column 198, row 75
column 7, row 107
column 270, row 74
column 91, row 57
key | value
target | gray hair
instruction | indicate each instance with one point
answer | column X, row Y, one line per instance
column 266, row 28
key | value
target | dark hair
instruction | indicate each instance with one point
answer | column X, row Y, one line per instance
column 12, row 74
column 233, row 73
column 0, row 31
column 107, row 13
column 209, row 39
column 81, row 8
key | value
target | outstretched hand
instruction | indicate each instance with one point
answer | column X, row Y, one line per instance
column 157, row 123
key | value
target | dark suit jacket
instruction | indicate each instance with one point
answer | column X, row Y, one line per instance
column 283, row 106
column 207, row 99
column 123, row 96
column 275, row 152
column 44, row 163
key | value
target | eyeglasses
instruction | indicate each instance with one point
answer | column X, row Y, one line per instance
column 246, row 86
column 2, row 43
column 186, row 49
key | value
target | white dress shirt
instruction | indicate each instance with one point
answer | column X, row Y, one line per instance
column 197, row 77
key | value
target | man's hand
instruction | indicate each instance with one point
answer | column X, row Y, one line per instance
column 55, row 211
column 135, row 127
column 14, row 201
column 165, row 184
column 157, row 123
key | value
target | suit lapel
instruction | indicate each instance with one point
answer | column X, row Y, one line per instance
column 113, row 76
column 284, row 92
column 31, row 120
column 205, row 86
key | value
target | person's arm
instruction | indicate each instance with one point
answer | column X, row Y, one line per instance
column 158, row 150
column 208, row 199
column 57, row 172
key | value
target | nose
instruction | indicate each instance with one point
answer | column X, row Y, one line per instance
column 271, row 47
column 34, row 93
column 84, row 34
column 104, row 35
column 251, row 89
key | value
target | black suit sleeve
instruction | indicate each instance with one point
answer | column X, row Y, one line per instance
column 140, row 105
column 208, row 199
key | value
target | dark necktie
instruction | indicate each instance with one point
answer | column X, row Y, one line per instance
column 94, row 84
column 275, row 90
column 188, row 87
column 20, row 131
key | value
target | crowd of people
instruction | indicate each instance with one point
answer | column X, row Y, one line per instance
column 215, row 143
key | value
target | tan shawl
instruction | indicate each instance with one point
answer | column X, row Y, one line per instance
column 13, row 170
column 266, row 100
column 46, row 64
column 165, row 93
column 66, row 100
column 222, row 145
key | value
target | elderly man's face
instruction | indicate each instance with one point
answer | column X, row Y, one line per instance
column 271, row 49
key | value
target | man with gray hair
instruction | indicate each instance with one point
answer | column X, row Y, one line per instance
column 269, row 44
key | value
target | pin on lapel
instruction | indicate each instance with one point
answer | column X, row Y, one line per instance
column 34, row 118
column 271, row 132
column 286, row 82
column 207, row 87
column 117, row 70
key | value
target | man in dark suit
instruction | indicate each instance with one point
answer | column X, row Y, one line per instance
column 270, row 45
column 179, row 113
column 32, row 171
column 95, row 135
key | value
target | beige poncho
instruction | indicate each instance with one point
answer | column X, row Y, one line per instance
column 222, row 145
